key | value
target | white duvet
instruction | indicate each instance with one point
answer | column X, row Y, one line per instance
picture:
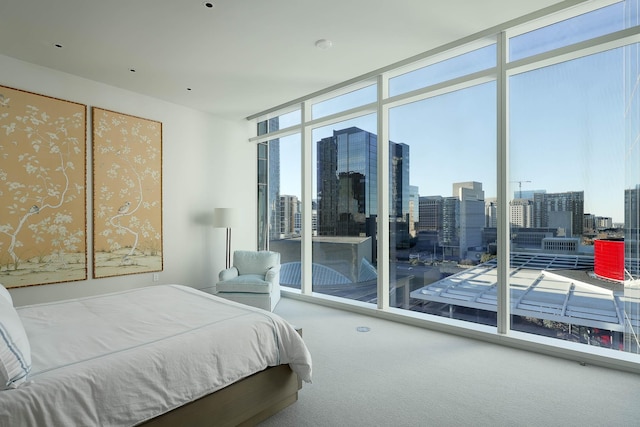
column 123, row 358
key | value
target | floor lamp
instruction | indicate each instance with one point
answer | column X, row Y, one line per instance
column 225, row 218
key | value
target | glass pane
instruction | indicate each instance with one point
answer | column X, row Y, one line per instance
column 576, row 212
column 285, row 206
column 262, row 171
column 279, row 122
column 440, row 245
column 353, row 99
column 262, row 127
column 632, row 198
column 290, row 119
column 564, row 33
column 458, row 66
column 262, row 150
column 345, row 185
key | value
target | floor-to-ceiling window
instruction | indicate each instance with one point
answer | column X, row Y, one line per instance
column 451, row 139
column 559, row 96
column 279, row 194
column 442, row 145
column 284, row 208
column 567, row 152
column 567, row 144
column 631, row 102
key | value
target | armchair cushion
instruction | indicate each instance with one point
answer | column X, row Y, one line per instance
column 253, row 283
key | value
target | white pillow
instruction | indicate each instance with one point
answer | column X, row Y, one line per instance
column 5, row 293
column 15, row 351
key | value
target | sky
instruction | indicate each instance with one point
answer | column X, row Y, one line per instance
column 566, row 123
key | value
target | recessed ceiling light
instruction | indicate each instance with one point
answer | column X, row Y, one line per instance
column 209, row 5
column 324, row 44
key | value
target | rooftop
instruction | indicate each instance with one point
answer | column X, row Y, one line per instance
column 545, row 286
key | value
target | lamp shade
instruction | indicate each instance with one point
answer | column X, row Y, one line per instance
column 225, row 218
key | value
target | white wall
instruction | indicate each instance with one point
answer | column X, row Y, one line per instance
column 207, row 163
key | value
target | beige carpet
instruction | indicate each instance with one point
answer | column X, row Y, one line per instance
column 399, row 375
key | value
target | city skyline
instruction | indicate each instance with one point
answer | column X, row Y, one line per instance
column 290, row 186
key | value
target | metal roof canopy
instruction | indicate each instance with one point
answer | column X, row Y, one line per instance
column 537, row 292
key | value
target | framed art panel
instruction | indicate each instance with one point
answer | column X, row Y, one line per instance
column 127, row 194
column 43, row 224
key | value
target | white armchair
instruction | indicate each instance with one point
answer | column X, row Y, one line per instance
column 253, row 279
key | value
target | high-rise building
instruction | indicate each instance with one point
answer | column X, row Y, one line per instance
column 348, row 180
column 521, row 213
column 399, row 182
column 526, row 194
column 274, row 181
column 458, row 220
column 471, row 219
column 604, row 222
column 414, row 214
column 289, row 207
column 589, row 223
column 449, row 234
column 491, row 212
column 399, row 194
column 298, row 219
column 565, row 209
column 430, row 213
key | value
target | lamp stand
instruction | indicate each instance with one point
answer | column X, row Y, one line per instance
column 225, row 218
column 228, row 265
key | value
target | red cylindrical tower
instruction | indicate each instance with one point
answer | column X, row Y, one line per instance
column 609, row 259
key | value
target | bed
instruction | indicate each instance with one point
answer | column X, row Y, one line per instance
column 153, row 356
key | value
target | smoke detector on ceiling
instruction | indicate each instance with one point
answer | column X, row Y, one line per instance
column 324, row 44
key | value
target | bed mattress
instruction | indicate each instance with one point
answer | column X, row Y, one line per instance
column 123, row 358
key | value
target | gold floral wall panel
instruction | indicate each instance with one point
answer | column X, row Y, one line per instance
column 42, row 189
column 127, row 194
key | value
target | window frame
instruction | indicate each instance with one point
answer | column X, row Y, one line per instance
column 500, row 73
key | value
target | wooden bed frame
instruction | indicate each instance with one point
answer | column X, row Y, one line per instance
column 244, row 403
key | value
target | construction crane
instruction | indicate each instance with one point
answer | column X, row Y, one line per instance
column 520, row 187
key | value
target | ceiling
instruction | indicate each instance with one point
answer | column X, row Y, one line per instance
column 238, row 57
